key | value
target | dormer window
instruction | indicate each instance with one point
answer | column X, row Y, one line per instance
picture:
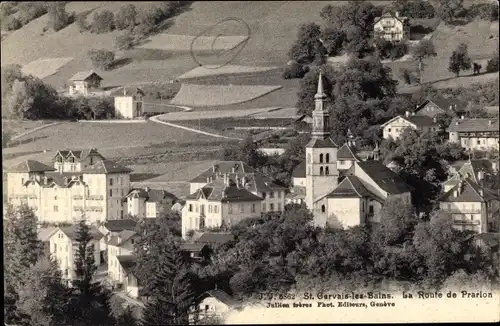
column 72, row 159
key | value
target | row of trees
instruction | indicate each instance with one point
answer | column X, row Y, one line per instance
column 27, row 97
column 452, row 10
column 34, row 290
column 16, row 14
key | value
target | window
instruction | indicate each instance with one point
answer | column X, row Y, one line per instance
column 263, row 207
column 91, row 160
column 242, row 208
column 55, row 197
column 253, row 208
column 120, row 180
column 327, row 172
column 309, row 158
column 196, row 208
column 479, row 142
column 132, row 241
column 190, row 208
column 122, row 192
column 216, row 209
column 271, row 207
column 279, row 207
column 327, row 158
column 320, row 158
column 321, row 170
column 323, row 208
column 207, row 307
column 271, row 194
column 389, row 129
column 230, row 208
column 56, row 209
column 342, row 162
column 264, row 195
column 110, row 181
column 209, row 208
column 370, row 209
column 110, row 192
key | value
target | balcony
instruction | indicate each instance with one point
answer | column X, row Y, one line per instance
column 95, row 197
column 465, row 222
column 93, row 209
column 463, row 210
column 77, row 197
column 78, row 208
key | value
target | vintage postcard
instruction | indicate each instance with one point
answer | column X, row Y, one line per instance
column 250, row 162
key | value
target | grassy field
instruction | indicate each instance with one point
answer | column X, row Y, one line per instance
column 224, row 70
column 224, row 124
column 215, row 95
column 45, row 67
column 186, row 43
column 17, row 127
column 201, row 114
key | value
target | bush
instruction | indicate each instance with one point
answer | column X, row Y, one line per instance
column 124, row 42
column 81, row 22
column 296, row 70
column 398, row 50
column 11, row 23
column 485, row 11
column 333, row 40
column 492, row 65
column 103, row 22
column 415, row 9
column 126, row 17
column 29, row 11
column 58, row 17
column 102, row 59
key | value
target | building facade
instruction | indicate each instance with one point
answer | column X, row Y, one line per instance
column 395, row 127
column 130, row 104
column 147, row 202
column 85, row 184
column 392, row 27
column 84, row 83
column 481, row 134
column 121, row 244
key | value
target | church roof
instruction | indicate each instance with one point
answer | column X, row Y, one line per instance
column 321, row 143
column 347, row 152
column 384, row 177
column 300, row 170
column 351, row 186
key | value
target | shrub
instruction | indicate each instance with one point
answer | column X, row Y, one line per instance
column 492, row 65
column 126, row 17
column 124, row 42
column 58, row 17
column 81, row 22
column 406, row 74
column 103, row 22
column 333, row 40
column 398, row 50
column 102, row 59
column 296, row 70
column 485, row 11
column 29, row 11
column 11, row 23
column 415, row 9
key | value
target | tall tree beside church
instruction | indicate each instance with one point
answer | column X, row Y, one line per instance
column 171, row 288
column 90, row 302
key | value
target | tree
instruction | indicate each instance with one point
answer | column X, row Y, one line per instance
column 126, row 17
column 305, row 48
column 247, row 152
column 449, row 10
column 492, row 65
column 58, row 17
column 295, row 70
column 414, row 8
column 460, row 60
column 90, row 302
column 397, row 221
column 101, row 58
column 333, row 39
column 81, row 22
column 43, row 297
column 423, row 50
column 124, row 42
column 103, row 22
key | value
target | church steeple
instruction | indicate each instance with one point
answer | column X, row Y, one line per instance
column 320, row 115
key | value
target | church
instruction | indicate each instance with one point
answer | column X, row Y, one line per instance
column 341, row 189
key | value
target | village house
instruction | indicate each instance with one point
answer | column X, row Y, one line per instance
column 44, row 234
column 131, row 284
column 392, row 27
column 130, row 104
column 395, row 127
column 113, row 228
column 84, row 83
column 147, row 202
column 223, row 202
column 481, row 133
column 477, row 170
column 212, row 304
column 272, row 194
column 358, row 197
column 195, row 252
column 121, row 244
column 85, row 184
column 439, row 105
column 64, row 246
column 470, row 206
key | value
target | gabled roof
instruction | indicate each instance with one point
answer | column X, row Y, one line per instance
column 351, row 186
column 468, row 191
column 44, row 234
column 120, row 225
column 127, row 262
column 128, row 91
column 221, row 192
column 214, row 238
column 220, row 296
column 347, row 152
column 105, row 167
column 83, row 75
column 321, row 143
column 472, row 168
column 417, row 120
column 474, row 125
column 151, row 195
column 390, row 15
column 121, row 238
column 72, row 232
column 384, row 177
column 30, row 166
column 300, row 170
column 62, row 179
column 78, row 154
column 256, row 181
column 444, row 104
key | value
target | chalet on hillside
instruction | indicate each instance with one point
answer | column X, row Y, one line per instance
column 439, row 105
column 84, row 83
column 392, row 27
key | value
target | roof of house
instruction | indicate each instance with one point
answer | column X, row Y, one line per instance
column 384, row 177
column 347, row 152
column 151, row 195
column 215, row 238
column 121, row 238
column 78, row 154
column 61, row 179
column 219, row 191
column 44, row 234
column 321, row 143
column 473, row 125
column 417, row 120
column 444, row 104
column 127, row 262
column 468, row 191
column 472, row 168
column 128, row 90
column 300, row 170
column 221, row 296
column 83, row 75
column 390, row 15
column 72, row 232
column 192, row 247
column 492, row 110
column 106, row 167
column 120, row 225
column 351, row 186
column 30, row 166
column 255, row 180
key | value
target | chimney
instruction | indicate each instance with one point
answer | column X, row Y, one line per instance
column 238, row 182
column 396, row 14
column 480, row 175
column 124, row 91
column 407, row 113
column 490, row 122
column 451, row 107
column 457, row 123
column 147, row 189
column 214, row 168
column 208, row 179
column 481, row 192
column 462, row 117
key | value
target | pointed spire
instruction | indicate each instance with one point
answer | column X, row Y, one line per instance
column 320, row 94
